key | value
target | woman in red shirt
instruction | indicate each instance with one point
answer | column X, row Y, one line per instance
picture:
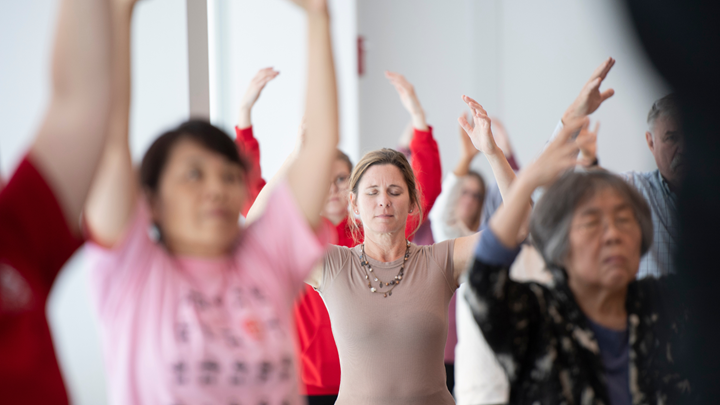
column 320, row 362
column 41, row 203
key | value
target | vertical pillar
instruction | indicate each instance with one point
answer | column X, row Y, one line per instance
column 198, row 61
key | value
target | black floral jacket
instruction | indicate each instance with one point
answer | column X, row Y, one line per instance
column 549, row 353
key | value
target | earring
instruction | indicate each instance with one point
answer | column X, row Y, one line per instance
column 410, row 211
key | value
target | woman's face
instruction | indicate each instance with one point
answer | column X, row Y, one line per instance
column 382, row 200
column 337, row 201
column 605, row 240
column 198, row 202
column 472, row 194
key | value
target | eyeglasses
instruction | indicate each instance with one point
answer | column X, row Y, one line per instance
column 341, row 180
column 474, row 196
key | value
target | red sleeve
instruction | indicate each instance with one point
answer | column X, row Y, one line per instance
column 250, row 149
column 425, row 157
column 34, row 234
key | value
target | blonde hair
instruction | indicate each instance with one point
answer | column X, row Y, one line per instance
column 379, row 157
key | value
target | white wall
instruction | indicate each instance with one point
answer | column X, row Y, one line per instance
column 429, row 43
column 250, row 35
column 160, row 100
column 525, row 61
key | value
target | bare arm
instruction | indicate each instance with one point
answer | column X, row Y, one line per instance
column 309, row 174
column 258, row 206
column 115, row 189
column 559, row 156
column 409, row 99
column 481, row 135
column 68, row 146
column 256, row 86
column 468, row 151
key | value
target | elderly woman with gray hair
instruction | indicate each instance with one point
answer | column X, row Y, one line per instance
column 597, row 335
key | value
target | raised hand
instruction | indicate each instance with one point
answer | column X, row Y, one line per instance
column 467, row 150
column 590, row 96
column 409, row 99
column 480, row 132
column 501, row 137
column 256, row 86
column 587, row 142
column 558, row 156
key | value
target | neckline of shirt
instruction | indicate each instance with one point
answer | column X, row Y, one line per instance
column 385, row 265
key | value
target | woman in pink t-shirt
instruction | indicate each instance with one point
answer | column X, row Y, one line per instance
column 200, row 311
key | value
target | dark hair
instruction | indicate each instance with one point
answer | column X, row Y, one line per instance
column 552, row 216
column 202, row 132
column 667, row 106
column 379, row 157
column 345, row 158
column 476, row 218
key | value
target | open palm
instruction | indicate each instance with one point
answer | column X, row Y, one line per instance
column 480, row 132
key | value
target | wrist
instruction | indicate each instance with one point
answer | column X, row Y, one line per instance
column 493, row 151
column 570, row 115
column 244, row 119
column 418, row 120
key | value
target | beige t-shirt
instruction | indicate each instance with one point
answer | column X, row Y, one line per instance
column 391, row 349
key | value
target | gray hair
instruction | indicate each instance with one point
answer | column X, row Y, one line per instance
column 667, row 106
column 552, row 216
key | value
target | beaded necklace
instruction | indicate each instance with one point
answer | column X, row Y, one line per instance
column 369, row 275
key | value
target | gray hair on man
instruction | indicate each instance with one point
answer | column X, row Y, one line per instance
column 553, row 214
column 667, row 106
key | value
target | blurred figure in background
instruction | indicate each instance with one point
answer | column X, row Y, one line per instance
column 456, row 214
column 202, row 313
column 679, row 38
column 41, row 203
column 479, row 378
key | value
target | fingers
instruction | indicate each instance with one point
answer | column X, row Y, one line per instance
column 465, row 125
column 477, row 109
column 609, row 64
column 606, row 94
column 597, row 128
column 397, row 79
column 602, row 70
column 263, row 76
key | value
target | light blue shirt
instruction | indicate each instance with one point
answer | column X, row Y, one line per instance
column 659, row 260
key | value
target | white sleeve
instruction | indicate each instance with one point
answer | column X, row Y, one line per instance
column 557, row 130
column 442, row 216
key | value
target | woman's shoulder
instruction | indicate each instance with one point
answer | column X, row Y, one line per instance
column 337, row 256
column 437, row 248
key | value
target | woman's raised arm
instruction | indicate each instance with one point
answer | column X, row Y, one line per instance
column 245, row 137
column 309, row 174
column 115, row 188
column 70, row 141
column 481, row 136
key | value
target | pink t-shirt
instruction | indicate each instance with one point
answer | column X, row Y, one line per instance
column 179, row 330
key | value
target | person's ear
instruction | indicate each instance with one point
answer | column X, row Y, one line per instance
column 650, row 142
column 353, row 205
